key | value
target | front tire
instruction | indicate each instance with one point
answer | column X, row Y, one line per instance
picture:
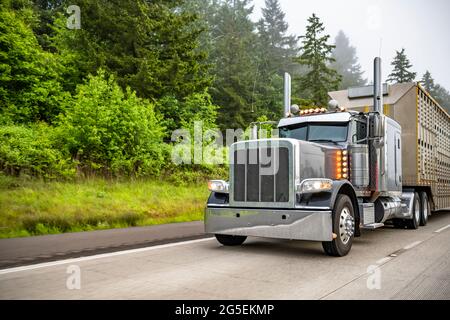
column 228, row 240
column 343, row 226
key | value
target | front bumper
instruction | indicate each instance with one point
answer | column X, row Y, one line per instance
column 270, row 223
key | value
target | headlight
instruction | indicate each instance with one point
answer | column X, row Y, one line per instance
column 314, row 185
column 219, row 186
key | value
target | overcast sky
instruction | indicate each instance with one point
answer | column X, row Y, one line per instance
column 421, row 27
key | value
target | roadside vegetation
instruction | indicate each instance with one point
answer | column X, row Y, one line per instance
column 36, row 207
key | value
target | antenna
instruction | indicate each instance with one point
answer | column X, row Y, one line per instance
column 381, row 46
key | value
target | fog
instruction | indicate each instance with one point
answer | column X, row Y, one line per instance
column 379, row 27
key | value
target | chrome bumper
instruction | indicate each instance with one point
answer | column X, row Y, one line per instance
column 270, row 223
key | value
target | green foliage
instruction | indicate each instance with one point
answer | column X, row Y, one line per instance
column 303, row 103
column 442, row 96
column 428, row 81
column 316, row 55
column 31, row 151
column 401, row 73
column 235, row 65
column 346, row 63
column 182, row 114
column 274, row 52
column 30, row 88
column 277, row 47
column 108, row 130
column 150, row 46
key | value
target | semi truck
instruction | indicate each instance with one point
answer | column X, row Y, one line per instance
column 360, row 164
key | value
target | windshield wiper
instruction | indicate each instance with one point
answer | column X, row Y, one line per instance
column 324, row 140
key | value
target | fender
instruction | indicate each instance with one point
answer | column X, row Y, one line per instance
column 326, row 200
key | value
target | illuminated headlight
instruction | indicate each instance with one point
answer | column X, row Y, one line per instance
column 315, row 185
column 219, row 186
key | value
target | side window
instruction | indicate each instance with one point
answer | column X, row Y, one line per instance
column 359, row 131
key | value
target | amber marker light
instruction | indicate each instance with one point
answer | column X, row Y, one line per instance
column 342, row 170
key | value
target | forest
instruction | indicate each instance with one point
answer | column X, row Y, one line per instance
column 103, row 98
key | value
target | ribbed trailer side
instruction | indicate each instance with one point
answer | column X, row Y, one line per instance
column 433, row 148
column 425, row 136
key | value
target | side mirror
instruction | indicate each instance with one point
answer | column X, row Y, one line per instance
column 376, row 130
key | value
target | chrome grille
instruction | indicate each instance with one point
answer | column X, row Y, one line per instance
column 261, row 174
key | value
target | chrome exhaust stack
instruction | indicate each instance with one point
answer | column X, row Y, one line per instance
column 287, row 94
column 377, row 86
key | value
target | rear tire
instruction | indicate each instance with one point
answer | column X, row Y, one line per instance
column 343, row 226
column 228, row 240
column 415, row 221
column 425, row 208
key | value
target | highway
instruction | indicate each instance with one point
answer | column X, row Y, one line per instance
column 383, row 264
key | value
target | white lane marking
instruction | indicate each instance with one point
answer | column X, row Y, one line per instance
column 442, row 229
column 383, row 260
column 412, row 245
column 98, row 256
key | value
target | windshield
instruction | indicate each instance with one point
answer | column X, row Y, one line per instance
column 334, row 132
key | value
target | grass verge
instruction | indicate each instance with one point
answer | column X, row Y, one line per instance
column 34, row 207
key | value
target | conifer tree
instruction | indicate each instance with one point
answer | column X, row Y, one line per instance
column 316, row 56
column 401, row 72
column 346, row 63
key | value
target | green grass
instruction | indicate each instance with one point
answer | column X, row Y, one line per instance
column 34, row 207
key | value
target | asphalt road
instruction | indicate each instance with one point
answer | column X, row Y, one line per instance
column 384, row 264
column 30, row 250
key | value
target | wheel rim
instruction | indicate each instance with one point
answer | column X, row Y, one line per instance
column 346, row 225
column 425, row 209
column 417, row 210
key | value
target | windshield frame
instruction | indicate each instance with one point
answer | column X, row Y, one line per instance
column 346, row 124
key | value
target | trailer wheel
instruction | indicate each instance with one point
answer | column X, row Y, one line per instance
column 415, row 221
column 228, row 240
column 343, row 226
column 425, row 209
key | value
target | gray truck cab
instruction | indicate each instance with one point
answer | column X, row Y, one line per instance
column 328, row 174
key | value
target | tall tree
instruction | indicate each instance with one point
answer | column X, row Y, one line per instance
column 275, row 51
column 437, row 91
column 401, row 72
column 316, row 56
column 235, row 66
column 278, row 47
column 346, row 63
column 442, row 96
column 150, row 46
column 30, row 88
column 428, row 82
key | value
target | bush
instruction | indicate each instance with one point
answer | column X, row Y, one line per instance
column 180, row 114
column 30, row 87
column 109, row 131
column 30, row 151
